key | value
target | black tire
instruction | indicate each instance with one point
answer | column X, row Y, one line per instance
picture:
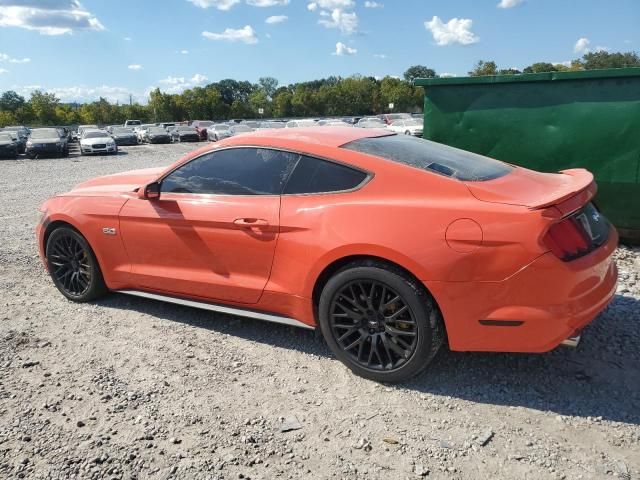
column 417, row 331
column 407, row 132
column 73, row 266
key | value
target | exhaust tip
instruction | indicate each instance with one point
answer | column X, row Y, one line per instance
column 571, row 342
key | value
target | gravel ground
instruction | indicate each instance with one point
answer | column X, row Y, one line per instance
column 132, row 388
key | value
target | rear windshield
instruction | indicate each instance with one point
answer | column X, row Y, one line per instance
column 431, row 156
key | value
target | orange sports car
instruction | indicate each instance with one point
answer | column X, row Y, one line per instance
column 389, row 244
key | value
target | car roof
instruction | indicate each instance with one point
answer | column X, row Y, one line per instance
column 330, row 136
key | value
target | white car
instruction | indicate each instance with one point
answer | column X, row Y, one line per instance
column 97, row 141
column 300, row 123
column 408, row 127
column 142, row 131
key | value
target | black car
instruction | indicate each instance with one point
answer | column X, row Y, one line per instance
column 158, row 135
column 23, row 135
column 184, row 134
column 8, row 146
column 46, row 142
column 124, row 136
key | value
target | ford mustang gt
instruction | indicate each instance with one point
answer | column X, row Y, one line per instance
column 391, row 245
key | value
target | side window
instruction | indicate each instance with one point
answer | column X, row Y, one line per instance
column 313, row 175
column 237, row 171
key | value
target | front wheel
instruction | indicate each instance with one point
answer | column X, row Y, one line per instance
column 73, row 266
column 407, row 132
column 379, row 322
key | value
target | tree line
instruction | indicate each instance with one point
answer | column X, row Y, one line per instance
column 226, row 99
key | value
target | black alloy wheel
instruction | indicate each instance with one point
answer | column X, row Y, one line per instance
column 380, row 321
column 73, row 266
column 373, row 325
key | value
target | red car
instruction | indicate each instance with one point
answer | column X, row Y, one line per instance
column 201, row 127
column 388, row 243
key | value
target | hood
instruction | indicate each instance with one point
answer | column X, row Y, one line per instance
column 45, row 140
column 93, row 141
column 533, row 189
column 119, row 183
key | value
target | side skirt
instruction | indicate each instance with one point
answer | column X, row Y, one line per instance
column 268, row 317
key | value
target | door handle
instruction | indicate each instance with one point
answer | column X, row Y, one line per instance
column 250, row 222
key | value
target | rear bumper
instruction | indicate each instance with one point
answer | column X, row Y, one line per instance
column 534, row 310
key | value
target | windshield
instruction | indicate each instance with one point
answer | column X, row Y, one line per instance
column 133, row 122
column 157, row 130
column 123, row 131
column 221, row 127
column 186, row 129
column 205, row 124
column 431, row 156
column 272, row 125
column 5, row 137
column 96, row 135
column 241, row 128
column 45, row 133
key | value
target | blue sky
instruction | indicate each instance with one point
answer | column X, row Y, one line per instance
column 113, row 48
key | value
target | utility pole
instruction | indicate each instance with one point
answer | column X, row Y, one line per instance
column 130, row 100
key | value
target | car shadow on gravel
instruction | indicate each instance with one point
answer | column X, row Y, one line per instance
column 600, row 379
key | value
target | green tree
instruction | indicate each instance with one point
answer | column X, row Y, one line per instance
column 484, row 68
column 540, row 67
column 43, row 106
column 603, row 59
column 11, row 101
column 419, row 71
column 7, row 118
column 269, row 85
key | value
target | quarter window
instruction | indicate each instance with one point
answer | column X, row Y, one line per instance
column 237, row 171
column 313, row 175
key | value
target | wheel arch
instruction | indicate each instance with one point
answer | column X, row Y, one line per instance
column 339, row 263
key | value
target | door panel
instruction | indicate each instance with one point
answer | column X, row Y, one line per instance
column 212, row 246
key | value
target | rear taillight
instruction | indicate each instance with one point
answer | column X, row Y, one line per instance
column 567, row 240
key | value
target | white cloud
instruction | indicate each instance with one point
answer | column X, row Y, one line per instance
column 219, row 4
column 342, row 50
column 566, row 63
column 48, row 17
column 245, row 35
column 313, row 6
column 128, row 39
column 581, row 45
column 380, row 55
column 456, row 30
column 6, row 58
column 268, row 3
column 276, row 19
column 135, row 66
column 448, row 75
column 83, row 93
column 345, row 22
column 369, row 4
column 331, row 4
column 3, row 70
column 184, row 52
column 179, row 84
column 509, row 3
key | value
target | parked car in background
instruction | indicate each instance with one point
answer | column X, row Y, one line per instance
column 8, row 146
column 236, row 129
column 389, row 118
column 46, row 142
column 370, row 122
column 301, row 123
column 124, row 136
column 21, row 133
column 219, row 131
column 201, row 127
column 97, row 141
column 142, row 131
column 270, row 124
column 184, row 133
column 158, row 135
column 132, row 123
column 411, row 126
column 253, row 124
column 167, row 125
column 333, row 123
column 82, row 128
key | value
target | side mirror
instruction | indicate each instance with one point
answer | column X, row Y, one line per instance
column 150, row 191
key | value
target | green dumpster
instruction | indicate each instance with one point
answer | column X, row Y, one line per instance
column 550, row 122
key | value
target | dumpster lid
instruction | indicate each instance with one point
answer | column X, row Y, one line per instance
column 531, row 77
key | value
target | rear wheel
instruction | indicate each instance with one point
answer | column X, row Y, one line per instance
column 73, row 266
column 380, row 322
